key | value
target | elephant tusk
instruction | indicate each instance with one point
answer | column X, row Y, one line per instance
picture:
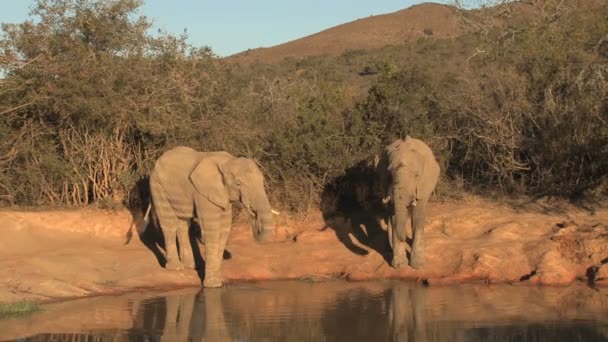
column 248, row 207
column 386, row 199
column 275, row 212
column 146, row 219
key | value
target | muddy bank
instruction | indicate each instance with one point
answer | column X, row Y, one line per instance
column 52, row 255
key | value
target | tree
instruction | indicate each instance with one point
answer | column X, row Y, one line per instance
column 92, row 99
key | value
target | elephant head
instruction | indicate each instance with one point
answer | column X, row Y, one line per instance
column 232, row 180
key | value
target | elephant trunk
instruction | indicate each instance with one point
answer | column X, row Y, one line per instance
column 263, row 226
column 402, row 199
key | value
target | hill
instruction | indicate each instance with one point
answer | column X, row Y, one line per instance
column 424, row 20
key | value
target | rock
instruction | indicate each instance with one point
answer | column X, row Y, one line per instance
column 601, row 275
column 554, row 269
column 283, row 233
column 313, row 235
column 501, row 264
column 513, row 231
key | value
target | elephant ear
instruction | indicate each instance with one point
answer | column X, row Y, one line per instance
column 208, row 181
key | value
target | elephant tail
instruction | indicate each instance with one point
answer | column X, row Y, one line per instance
column 144, row 225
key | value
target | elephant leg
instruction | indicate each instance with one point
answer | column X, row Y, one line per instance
column 185, row 249
column 389, row 230
column 225, row 229
column 169, row 223
column 213, row 277
column 202, row 231
column 399, row 258
column 214, row 250
column 418, row 221
column 217, row 224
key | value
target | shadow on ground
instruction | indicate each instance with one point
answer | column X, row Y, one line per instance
column 352, row 207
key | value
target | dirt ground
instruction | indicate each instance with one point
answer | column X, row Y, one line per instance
column 46, row 256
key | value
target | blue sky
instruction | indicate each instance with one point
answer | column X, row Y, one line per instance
column 230, row 26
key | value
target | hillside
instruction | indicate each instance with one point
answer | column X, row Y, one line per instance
column 426, row 20
column 418, row 21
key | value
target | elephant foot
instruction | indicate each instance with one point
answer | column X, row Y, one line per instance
column 173, row 265
column 417, row 261
column 398, row 261
column 212, row 282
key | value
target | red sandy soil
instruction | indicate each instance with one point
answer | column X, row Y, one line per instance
column 46, row 256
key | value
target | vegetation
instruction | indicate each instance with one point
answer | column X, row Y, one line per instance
column 20, row 308
column 90, row 99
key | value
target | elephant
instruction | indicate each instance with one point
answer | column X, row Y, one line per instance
column 186, row 184
column 407, row 173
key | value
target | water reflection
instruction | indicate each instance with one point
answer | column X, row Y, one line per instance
column 333, row 311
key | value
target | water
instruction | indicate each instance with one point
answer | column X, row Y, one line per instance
column 330, row 311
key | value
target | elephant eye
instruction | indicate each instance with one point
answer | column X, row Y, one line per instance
column 238, row 183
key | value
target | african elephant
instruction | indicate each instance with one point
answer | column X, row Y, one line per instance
column 187, row 184
column 407, row 175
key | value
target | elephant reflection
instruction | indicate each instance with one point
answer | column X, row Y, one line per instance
column 396, row 314
column 373, row 312
column 406, row 313
column 185, row 316
column 344, row 311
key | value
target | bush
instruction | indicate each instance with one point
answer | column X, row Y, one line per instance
column 89, row 100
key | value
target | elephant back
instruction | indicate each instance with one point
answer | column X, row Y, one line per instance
column 171, row 171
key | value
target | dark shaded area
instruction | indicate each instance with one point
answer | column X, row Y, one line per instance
column 593, row 270
column 550, row 205
column 351, row 205
column 151, row 316
column 528, row 276
column 362, row 313
column 137, row 204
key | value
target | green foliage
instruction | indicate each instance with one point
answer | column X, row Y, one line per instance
column 89, row 100
column 20, row 308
